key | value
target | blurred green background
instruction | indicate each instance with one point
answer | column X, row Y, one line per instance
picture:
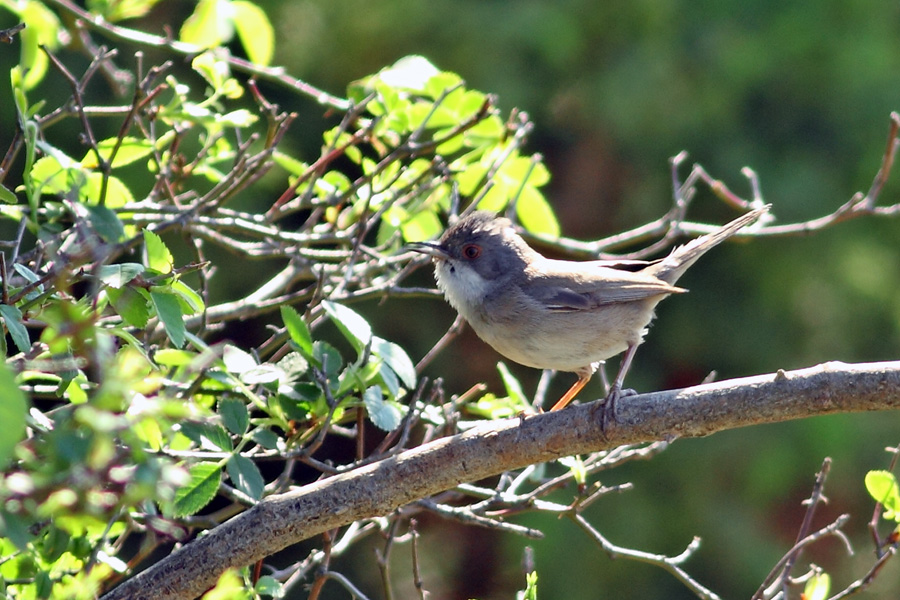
column 801, row 92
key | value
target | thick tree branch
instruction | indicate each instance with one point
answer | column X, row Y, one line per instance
column 379, row 488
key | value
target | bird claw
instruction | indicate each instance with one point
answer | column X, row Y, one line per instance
column 608, row 416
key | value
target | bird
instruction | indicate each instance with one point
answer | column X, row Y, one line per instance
column 558, row 314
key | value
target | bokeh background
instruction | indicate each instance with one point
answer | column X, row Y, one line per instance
column 801, row 91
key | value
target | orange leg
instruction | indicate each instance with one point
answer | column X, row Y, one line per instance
column 570, row 395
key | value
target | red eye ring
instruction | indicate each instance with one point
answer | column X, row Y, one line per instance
column 471, row 251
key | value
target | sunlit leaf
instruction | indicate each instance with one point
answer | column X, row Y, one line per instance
column 245, row 476
column 7, row 196
column 119, row 10
column 131, row 149
column 385, row 415
column 119, row 275
column 297, row 329
column 131, row 306
column 512, row 385
column 397, row 359
column 410, row 72
column 199, row 491
column 882, row 486
column 158, row 256
column 236, row 360
column 12, row 318
column 229, row 586
column 535, row 213
column 255, row 31
column 169, row 312
column 818, row 587
column 43, row 30
column 234, row 415
column 354, row 327
column 191, row 302
column 209, row 436
column 269, row 586
column 237, row 118
column 209, row 25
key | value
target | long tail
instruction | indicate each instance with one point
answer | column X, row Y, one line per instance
column 673, row 266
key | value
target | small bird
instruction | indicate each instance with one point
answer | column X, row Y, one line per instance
column 557, row 314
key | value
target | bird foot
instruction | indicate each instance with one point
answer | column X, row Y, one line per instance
column 608, row 417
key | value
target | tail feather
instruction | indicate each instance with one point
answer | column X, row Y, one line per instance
column 673, row 266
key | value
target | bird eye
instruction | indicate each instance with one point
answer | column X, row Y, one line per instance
column 471, row 251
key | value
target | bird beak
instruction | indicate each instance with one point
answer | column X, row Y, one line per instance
column 430, row 248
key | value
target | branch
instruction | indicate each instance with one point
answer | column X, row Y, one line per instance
column 379, row 488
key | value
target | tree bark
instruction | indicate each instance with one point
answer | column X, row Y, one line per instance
column 379, row 488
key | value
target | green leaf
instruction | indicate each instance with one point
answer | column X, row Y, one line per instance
column 269, row 586
column 397, row 359
column 410, row 72
column 209, row 436
column 234, row 415
column 13, row 409
column 530, row 592
column 55, row 542
column 16, row 529
column 50, row 177
column 327, row 358
column 237, row 118
column 12, row 318
column 264, row 373
column 297, row 329
column 512, row 385
column 385, row 415
column 213, row 69
column 535, row 213
column 90, row 191
column 882, row 486
column 210, row 24
column 255, row 31
column 355, row 328
column 576, row 466
column 28, row 274
column 43, row 30
column 157, row 254
column 229, row 586
column 266, row 438
column 106, row 223
column 199, row 491
column 191, row 302
column 439, row 83
column 389, row 379
column 169, row 312
column 424, row 225
column 131, row 150
column 119, row 275
column 131, row 306
column 236, row 360
column 115, row 10
column 818, row 587
column 7, row 196
column 293, row 365
column 245, row 476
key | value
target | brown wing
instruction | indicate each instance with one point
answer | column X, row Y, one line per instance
column 570, row 286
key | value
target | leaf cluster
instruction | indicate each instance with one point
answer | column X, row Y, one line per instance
column 127, row 416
